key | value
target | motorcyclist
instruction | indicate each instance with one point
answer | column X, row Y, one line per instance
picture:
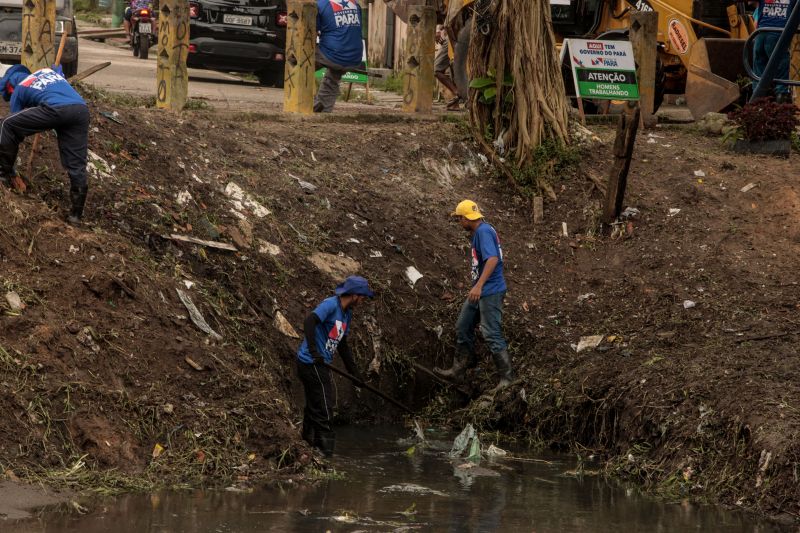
column 136, row 5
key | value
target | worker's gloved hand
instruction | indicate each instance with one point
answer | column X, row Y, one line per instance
column 58, row 69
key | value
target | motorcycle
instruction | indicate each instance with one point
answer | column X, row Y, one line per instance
column 143, row 32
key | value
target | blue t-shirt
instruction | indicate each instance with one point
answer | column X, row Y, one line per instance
column 329, row 332
column 486, row 244
column 339, row 25
column 773, row 13
column 46, row 87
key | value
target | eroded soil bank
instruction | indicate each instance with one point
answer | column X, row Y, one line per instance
column 105, row 381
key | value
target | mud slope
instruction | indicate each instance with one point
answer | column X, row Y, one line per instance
column 692, row 399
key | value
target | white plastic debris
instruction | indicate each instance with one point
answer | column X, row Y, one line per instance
column 14, row 301
column 584, row 297
column 413, row 275
column 195, row 315
column 189, row 284
column 467, row 444
column 587, row 343
column 183, row 197
column 354, row 241
column 494, row 451
column 242, row 199
column 674, row 211
column 688, row 304
column 267, row 248
column 748, row 187
column 564, row 231
column 699, row 173
column 73, row 249
column 375, row 253
column 630, row 212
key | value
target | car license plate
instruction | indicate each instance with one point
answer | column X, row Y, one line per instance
column 145, row 27
column 237, row 19
column 10, row 48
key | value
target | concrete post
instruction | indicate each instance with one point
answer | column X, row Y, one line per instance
column 172, row 78
column 301, row 42
column 419, row 51
column 644, row 40
column 38, row 33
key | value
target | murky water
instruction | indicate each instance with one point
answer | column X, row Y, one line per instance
column 386, row 489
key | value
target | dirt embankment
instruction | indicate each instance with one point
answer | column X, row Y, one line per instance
column 104, row 362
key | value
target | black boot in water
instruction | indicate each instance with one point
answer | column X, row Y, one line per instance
column 461, row 362
column 77, row 195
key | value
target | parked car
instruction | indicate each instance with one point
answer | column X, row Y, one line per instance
column 11, row 34
column 239, row 36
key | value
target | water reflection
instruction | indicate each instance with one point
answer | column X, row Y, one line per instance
column 383, row 491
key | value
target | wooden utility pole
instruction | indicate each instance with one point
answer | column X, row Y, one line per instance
column 644, row 40
column 419, row 51
column 618, row 177
column 301, row 42
column 172, row 78
column 38, row 33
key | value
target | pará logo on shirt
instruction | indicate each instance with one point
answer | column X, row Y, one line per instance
column 41, row 79
column 345, row 13
column 335, row 336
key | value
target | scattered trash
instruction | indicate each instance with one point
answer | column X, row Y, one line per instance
column 354, row 241
column 564, row 232
column 268, row 248
column 86, row 337
column 584, row 297
column 183, row 198
column 413, row 275
column 284, row 326
column 111, row 116
column 195, row 315
column 674, row 211
column 748, row 187
column 467, row 443
column 651, row 141
column 439, row 330
column 157, row 450
column 587, row 343
column 411, row 487
column 168, row 408
column 73, row 249
column 191, row 362
column 494, row 451
column 307, row 187
column 629, row 213
column 189, row 284
column 201, row 242
column 14, row 301
column 699, row 174
column 375, row 254
column 338, row 266
column 241, row 199
column 688, row 304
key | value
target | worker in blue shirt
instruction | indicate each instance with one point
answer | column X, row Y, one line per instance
column 772, row 14
column 42, row 101
column 326, row 329
column 340, row 47
column 484, row 303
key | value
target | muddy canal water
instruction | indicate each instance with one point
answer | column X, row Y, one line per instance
column 385, row 488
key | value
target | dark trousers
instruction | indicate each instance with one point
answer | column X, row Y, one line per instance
column 318, row 413
column 71, row 123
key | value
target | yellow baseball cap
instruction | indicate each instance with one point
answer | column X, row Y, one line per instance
column 467, row 209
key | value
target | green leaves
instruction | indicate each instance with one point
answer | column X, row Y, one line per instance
column 487, row 87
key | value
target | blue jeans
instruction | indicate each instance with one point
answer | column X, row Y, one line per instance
column 763, row 48
column 488, row 312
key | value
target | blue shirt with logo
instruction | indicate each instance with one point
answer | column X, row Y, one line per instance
column 339, row 25
column 44, row 86
column 773, row 13
column 332, row 328
column 486, row 244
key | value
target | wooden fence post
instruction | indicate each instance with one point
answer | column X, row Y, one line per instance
column 38, row 33
column 419, row 52
column 299, row 84
column 618, row 177
column 644, row 35
column 172, row 78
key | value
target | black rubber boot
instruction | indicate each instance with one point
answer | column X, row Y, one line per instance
column 503, row 362
column 326, row 442
column 461, row 362
column 78, row 197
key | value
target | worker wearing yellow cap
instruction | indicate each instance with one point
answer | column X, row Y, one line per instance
column 484, row 303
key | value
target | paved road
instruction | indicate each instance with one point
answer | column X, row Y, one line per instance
column 137, row 76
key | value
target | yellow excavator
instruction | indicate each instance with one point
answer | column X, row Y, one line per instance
column 700, row 42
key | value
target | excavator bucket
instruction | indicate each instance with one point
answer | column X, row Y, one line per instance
column 715, row 66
